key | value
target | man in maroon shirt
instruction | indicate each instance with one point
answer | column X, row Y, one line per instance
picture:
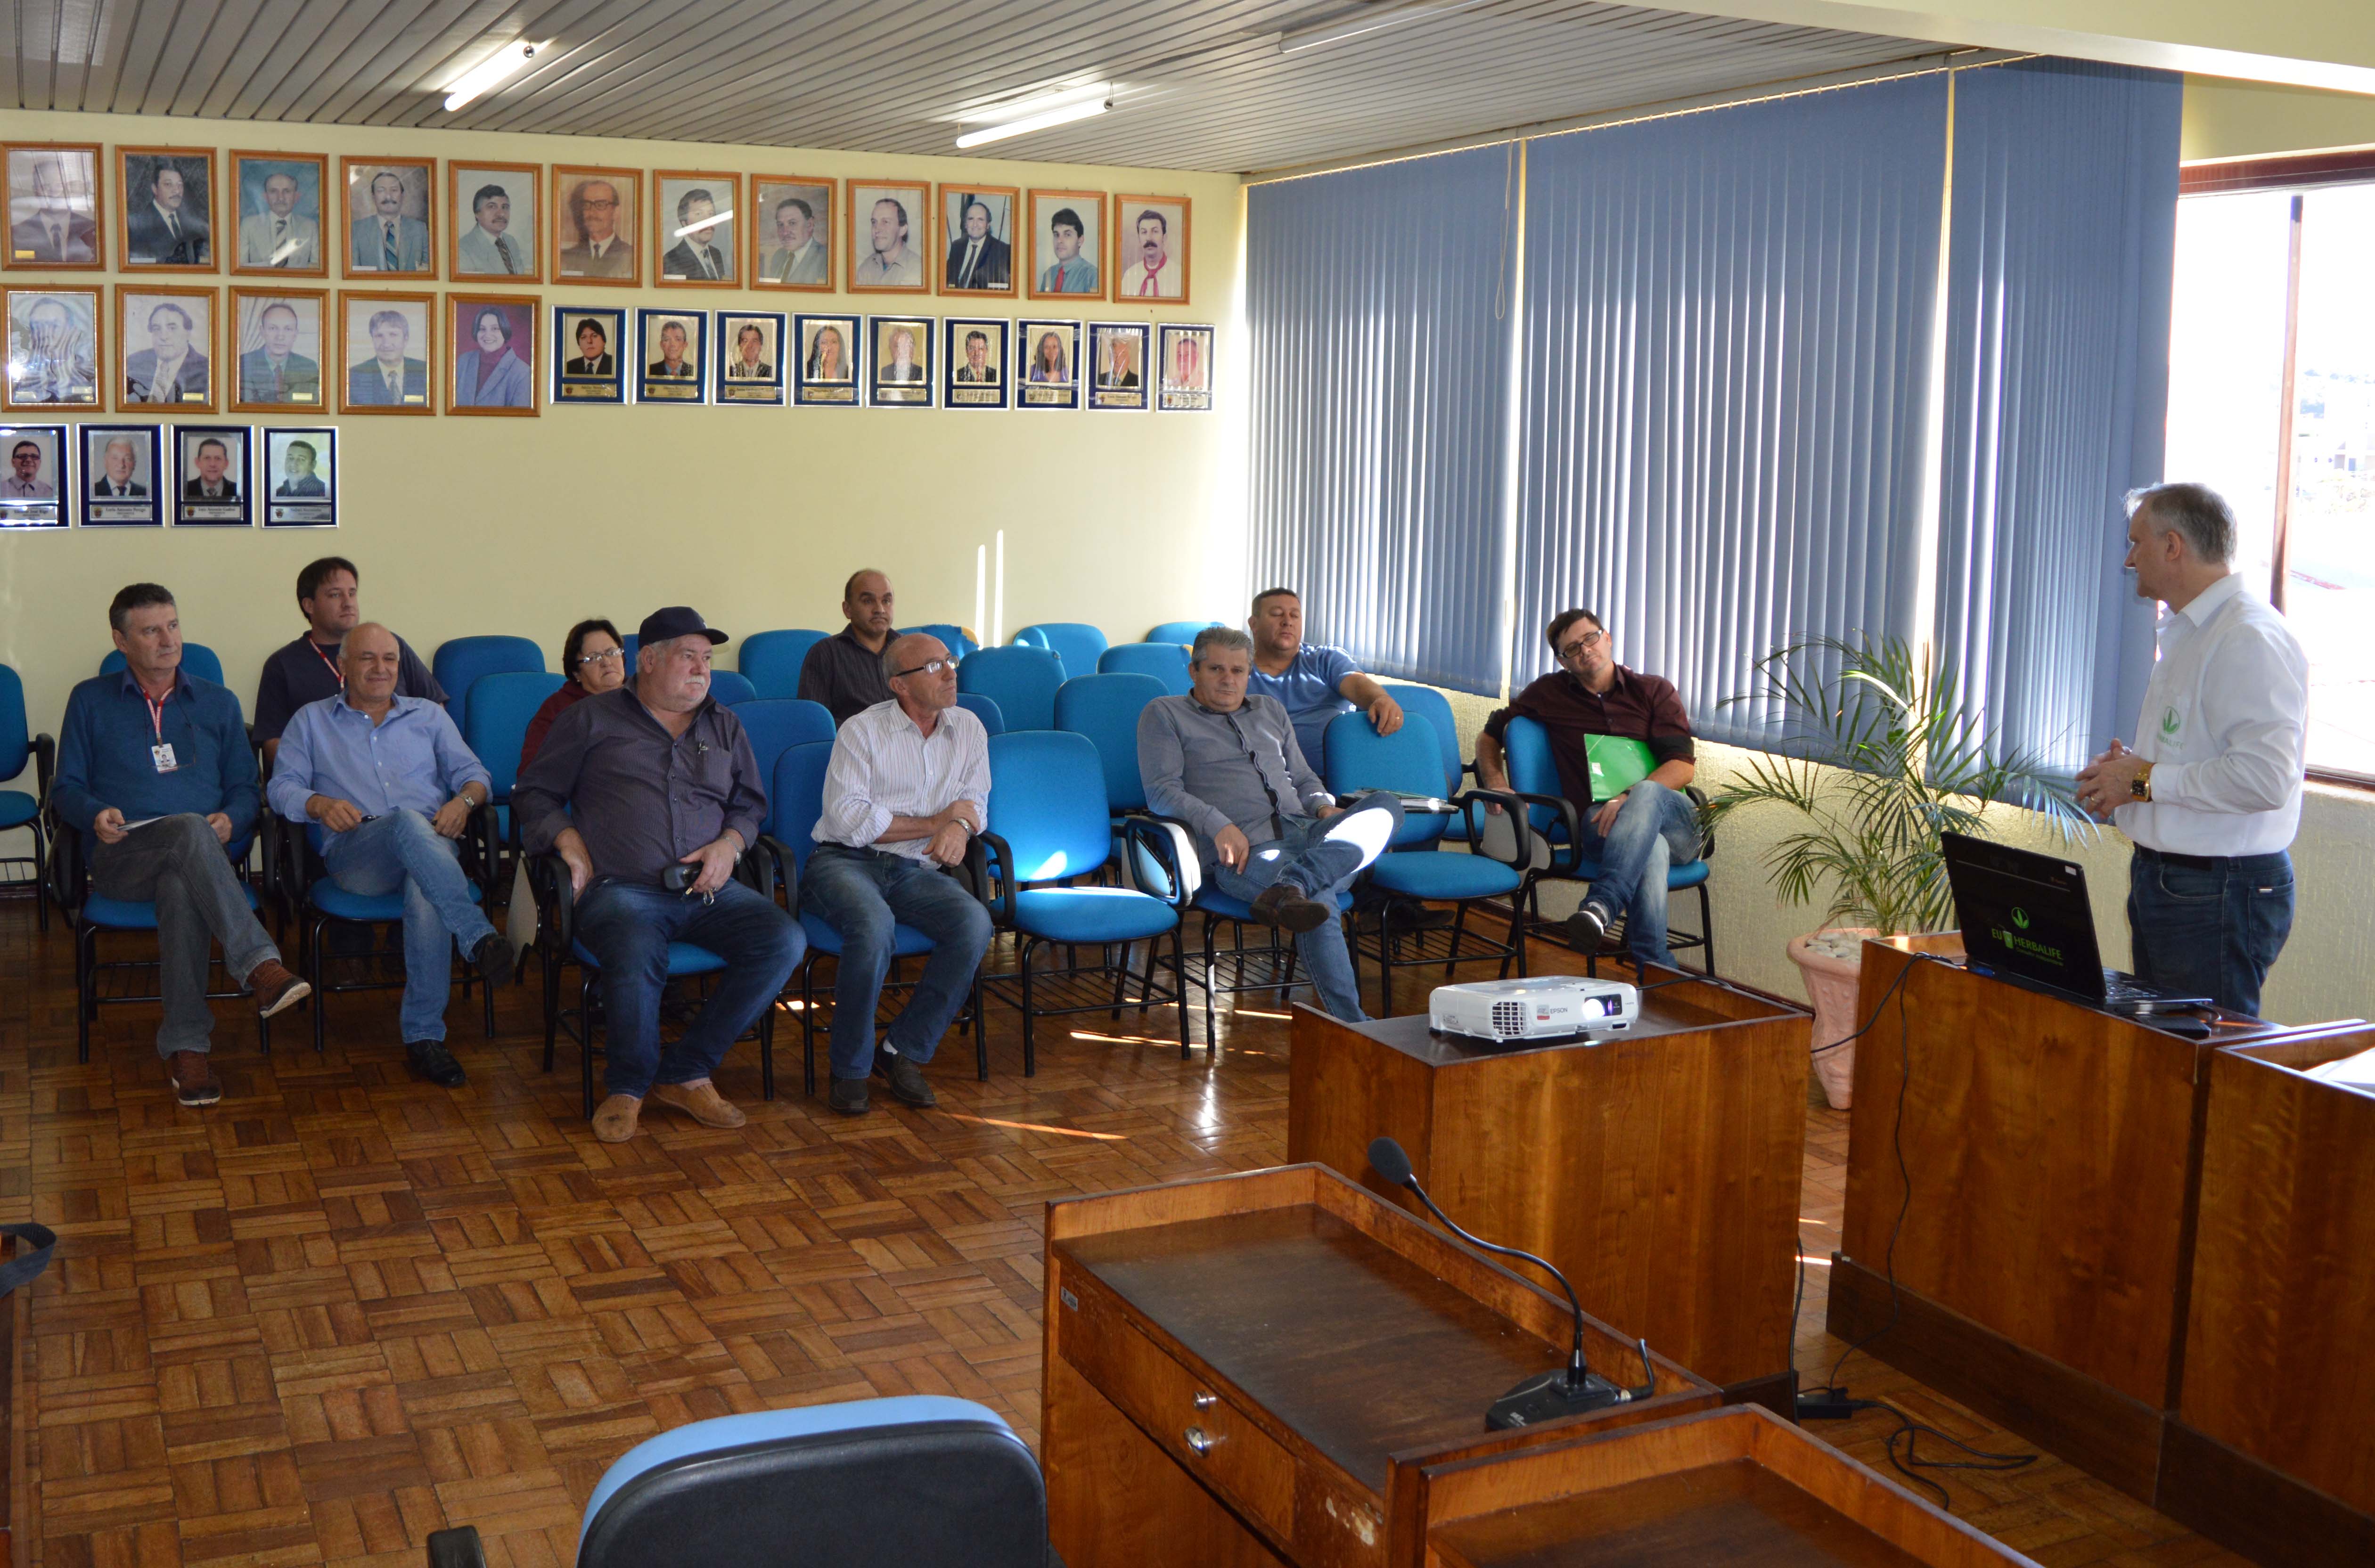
column 1639, row 834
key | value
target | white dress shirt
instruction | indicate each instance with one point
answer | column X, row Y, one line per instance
column 883, row 767
column 2226, row 727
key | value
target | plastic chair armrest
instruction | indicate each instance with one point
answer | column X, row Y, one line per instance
column 548, row 877
column 45, row 763
column 1001, row 905
column 1152, row 829
column 1472, row 804
column 1568, row 817
column 777, row 868
column 974, row 871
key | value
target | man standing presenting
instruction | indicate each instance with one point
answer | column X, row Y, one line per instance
column 155, row 765
column 904, row 795
column 844, row 671
column 392, row 786
column 329, row 596
column 1637, row 833
column 2211, row 794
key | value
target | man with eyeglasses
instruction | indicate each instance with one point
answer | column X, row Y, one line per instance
column 630, row 785
column 903, row 795
column 844, row 671
column 329, row 596
column 1637, row 834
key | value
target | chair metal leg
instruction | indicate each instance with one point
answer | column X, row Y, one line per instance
column 1386, row 959
column 586, row 1042
column 1518, row 935
column 1030, row 1048
column 1707, row 929
column 767, row 1051
column 980, row 1032
column 1179, row 983
column 1210, row 924
column 808, row 1025
column 1460, row 930
column 313, row 946
column 549, row 963
column 40, row 884
column 86, row 986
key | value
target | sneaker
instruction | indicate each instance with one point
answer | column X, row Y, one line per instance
column 1585, row 929
column 847, row 1096
column 907, row 1083
column 494, row 958
column 276, row 990
column 701, row 1101
column 429, row 1059
column 614, row 1119
column 1290, row 909
column 193, row 1077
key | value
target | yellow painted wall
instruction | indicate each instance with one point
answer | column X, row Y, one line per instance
column 2235, row 119
column 466, row 524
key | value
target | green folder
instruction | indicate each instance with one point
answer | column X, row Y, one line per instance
column 1617, row 763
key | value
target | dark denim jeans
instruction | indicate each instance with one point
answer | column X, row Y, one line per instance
column 628, row 926
column 1320, row 859
column 2215, row 928
column 863, row 894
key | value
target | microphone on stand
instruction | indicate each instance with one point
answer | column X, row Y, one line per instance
column 1568, row 1391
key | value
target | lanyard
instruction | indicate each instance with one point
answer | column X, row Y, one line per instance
column 157, row 714
column 329, row 661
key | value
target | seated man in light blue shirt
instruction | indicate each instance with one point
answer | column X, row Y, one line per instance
column 391, row 785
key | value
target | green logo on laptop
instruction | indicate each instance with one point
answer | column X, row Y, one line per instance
column 2169, row 721
column 2020, row 917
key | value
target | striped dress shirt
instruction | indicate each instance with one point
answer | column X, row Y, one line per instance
column 883, row 767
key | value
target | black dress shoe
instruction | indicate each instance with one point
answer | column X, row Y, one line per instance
column 907, row 1083
column 847, row 1096
column 429, row 1059
column 494, row 958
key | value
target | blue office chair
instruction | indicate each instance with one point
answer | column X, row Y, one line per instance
column 1182, row 632
column 1533, row 778
column 633, row 642
column 460, row 661
column 1022, row 681
column 1427, row 702
column 1409, row 762
column 954, row 638
column 197, row 659
column 921, row 1480
column 501, row 708
column 1166, row 662
column 1105, row 709
column 775, row 725
column 796, row 799
column 772, row 660
column 985, row 708
column 18, row 809
column 731, row 688
column 1077, row 643
column 1049, row 822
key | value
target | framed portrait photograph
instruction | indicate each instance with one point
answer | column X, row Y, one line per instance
column 750, row 357
column 279, row 197
column 277, row 335
column 824, row 371
column 207, row 468
column 119, row 465
column 164, row 208
column 588, row 349
column 299, row 477
column 53, row 350
column 694, row 218
column 978, row 224
column 165, row 340
column 34, row 484
column 899, row 361
column 889, row 225
column 974, row 353
column 1183, row 369
column 491, row 209
column 673, row 353
column 389, row 221
column 490, row 343
column 1149, row 249
column 387, row 341
column 1068, row 245
column 791, row 230
column 1116, row 367
column 1047, row 364
column 593, row 218
column 54, row 208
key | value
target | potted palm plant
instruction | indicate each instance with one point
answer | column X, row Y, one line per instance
column 1880, row 757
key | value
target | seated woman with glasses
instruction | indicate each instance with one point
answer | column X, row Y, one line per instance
column 594, row 660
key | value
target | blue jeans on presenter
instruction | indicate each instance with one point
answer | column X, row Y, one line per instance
column 628, row 926
column 1320, row 858
column 1656, row 830
column 403, row 852
column 2209, row 925
column 864, row 894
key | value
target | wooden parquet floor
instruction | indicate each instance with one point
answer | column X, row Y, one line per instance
column 343, row 1309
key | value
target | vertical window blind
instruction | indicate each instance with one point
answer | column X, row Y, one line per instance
column 1378, row 309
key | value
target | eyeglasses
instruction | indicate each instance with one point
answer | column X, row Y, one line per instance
column 929, row 667
column 1582, row 644
column 608, row 656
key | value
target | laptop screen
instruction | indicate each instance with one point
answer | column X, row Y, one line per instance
column 2025, row 915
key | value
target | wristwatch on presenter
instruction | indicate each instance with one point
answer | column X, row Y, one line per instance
column 2141, row 786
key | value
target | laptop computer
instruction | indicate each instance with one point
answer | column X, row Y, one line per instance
column 2026, row 919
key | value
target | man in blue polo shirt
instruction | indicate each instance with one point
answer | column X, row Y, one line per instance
column 154, row 765
column 392, row 786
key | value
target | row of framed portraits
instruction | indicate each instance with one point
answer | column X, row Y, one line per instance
column 193, row 475
column 391, row 218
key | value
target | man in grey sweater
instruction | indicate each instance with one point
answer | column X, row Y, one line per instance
column 1267, row 832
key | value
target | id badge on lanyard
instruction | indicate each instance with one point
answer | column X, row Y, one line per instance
column 162, row 752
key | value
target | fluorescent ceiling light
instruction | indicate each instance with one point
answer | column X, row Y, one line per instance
column 492, row 72
column 1373, row 19
column 1061, row 114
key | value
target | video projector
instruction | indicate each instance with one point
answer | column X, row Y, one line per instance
column 1549, row 1007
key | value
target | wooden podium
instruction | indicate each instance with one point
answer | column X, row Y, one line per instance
column 1245, row 1371
column 1657, row 1167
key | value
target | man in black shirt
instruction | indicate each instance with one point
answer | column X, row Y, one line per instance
column 307, row 670
column 844, row 671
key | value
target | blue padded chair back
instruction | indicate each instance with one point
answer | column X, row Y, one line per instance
column 1531, row 769
column 775, row 725
column 922, row 1480
column 732, row 687
column 197, row 659
column 16, row 737
column 985, row 708
column 1077, row 643
column 500, row 707
column 1047, row 801
column 1166, row 662
column 1105, row 709
column 1022, row 681
column 772, row 660
column 795, row 797
column 633, row 643
column 1178, row 630
column 952, row 638
column 1360, row 759
column 1427, row 702
column 460, row 661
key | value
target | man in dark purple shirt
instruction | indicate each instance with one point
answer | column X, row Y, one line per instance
column 1636, row 836
column 329, row 596
column 629, row 785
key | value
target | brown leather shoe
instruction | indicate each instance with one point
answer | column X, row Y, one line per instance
column 1291, row 909
column 614, row 1119
column 193, row 1077
column 276, row 990
column 701, row 1101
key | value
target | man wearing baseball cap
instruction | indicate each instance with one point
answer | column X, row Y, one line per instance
column 628, row 785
